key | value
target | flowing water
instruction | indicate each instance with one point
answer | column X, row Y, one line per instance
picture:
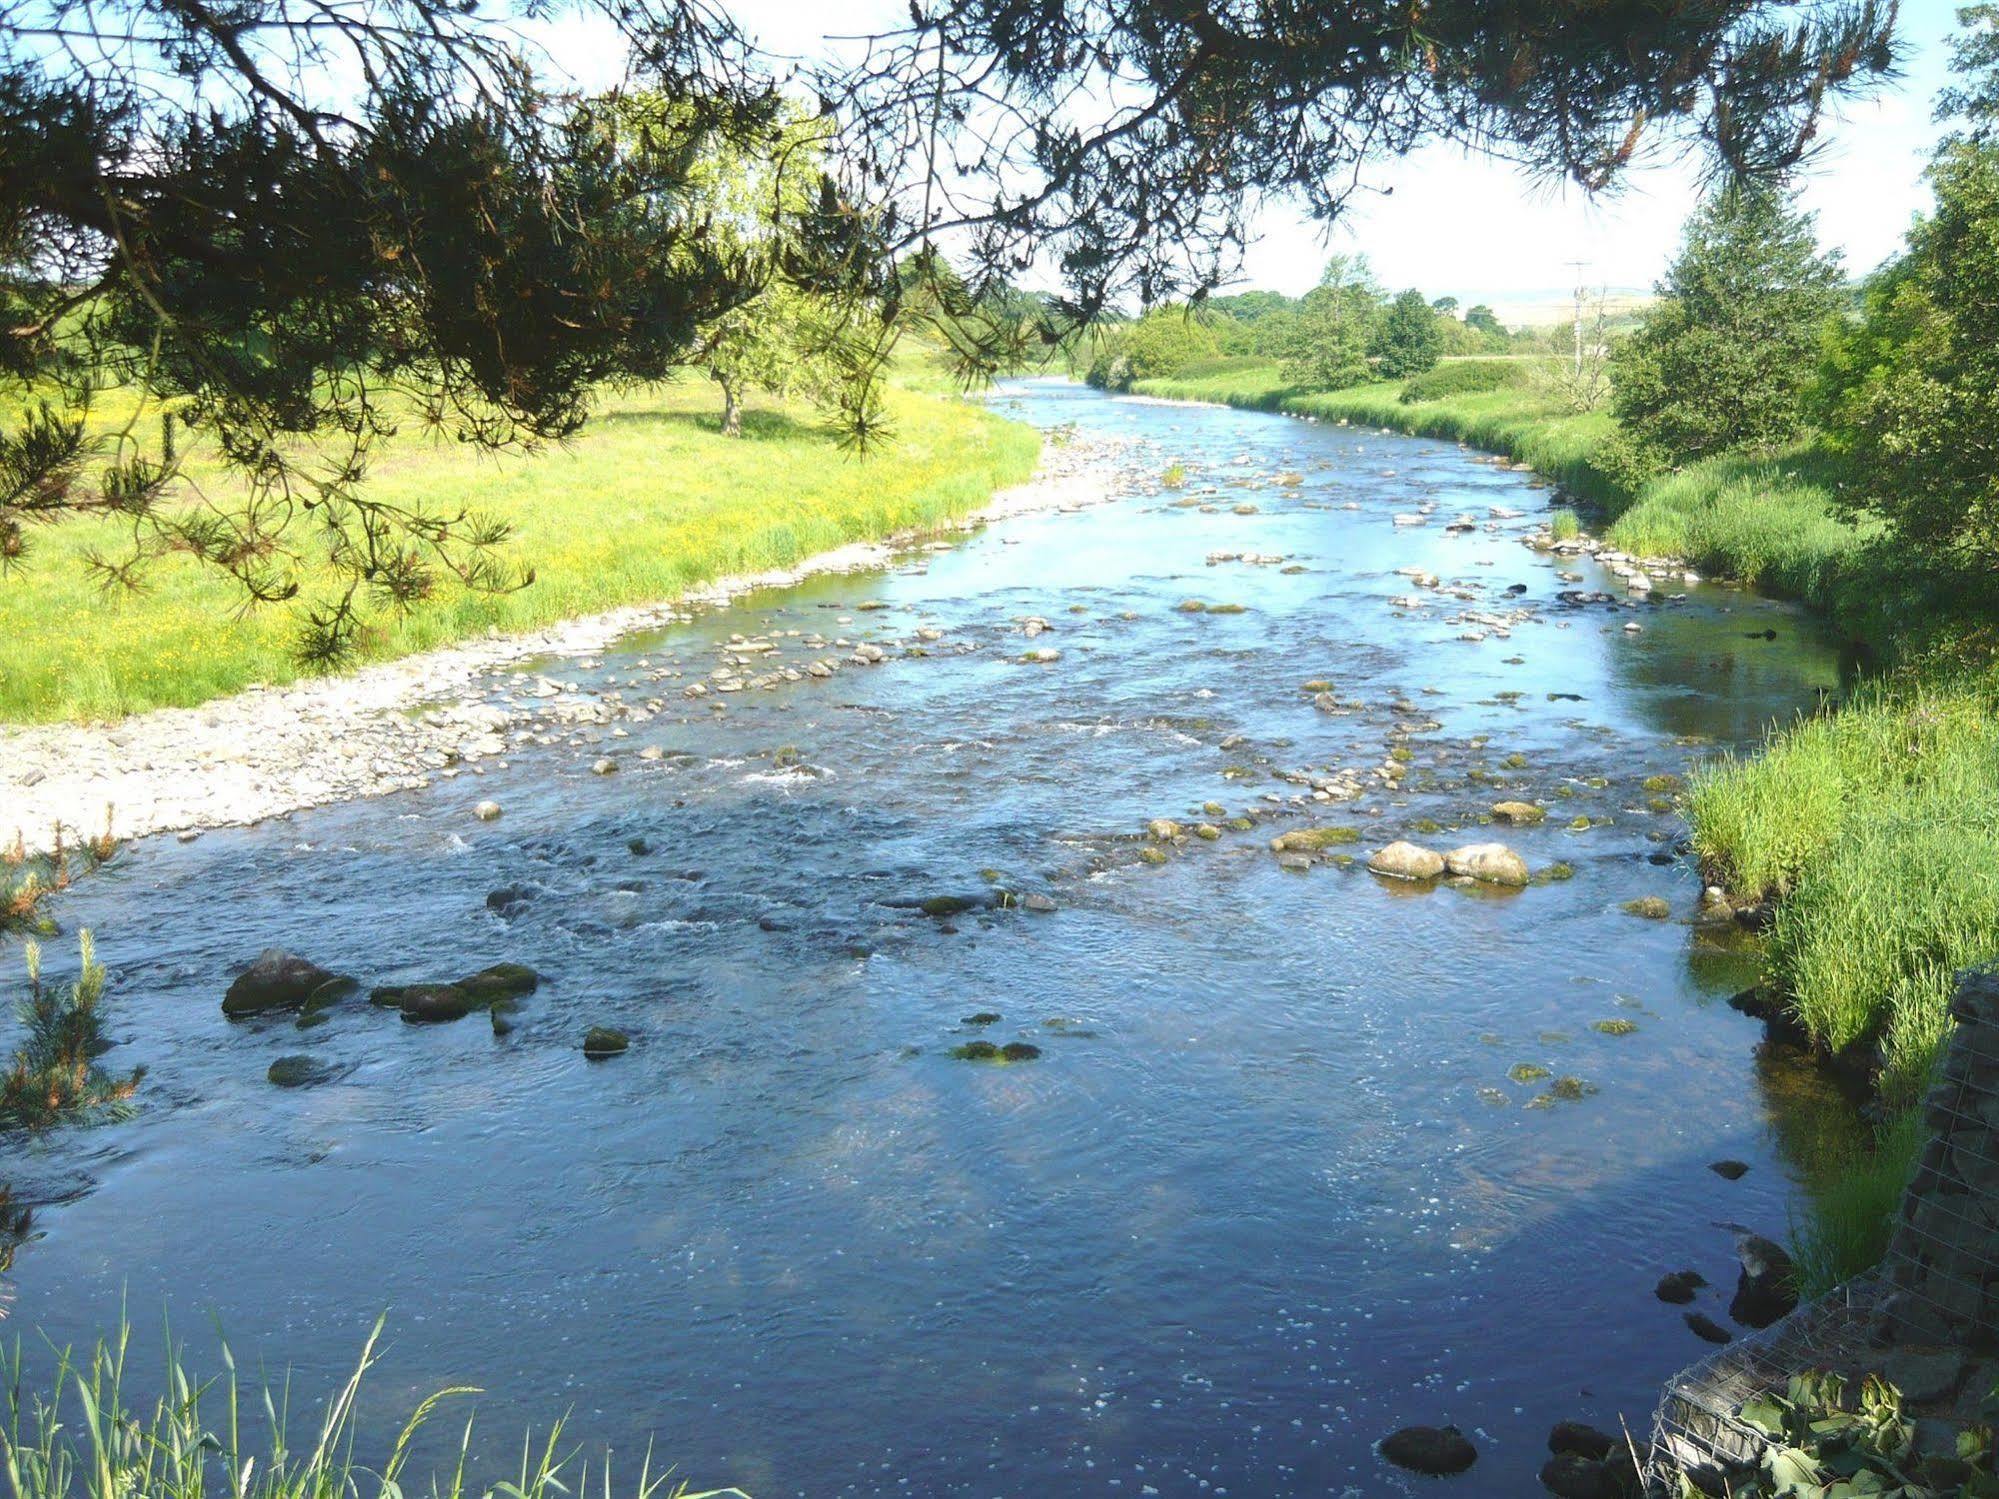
column 1268, row 1191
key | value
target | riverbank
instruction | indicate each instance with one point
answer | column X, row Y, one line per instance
column 401, row 724
column 649, row 501
column 1845, row 821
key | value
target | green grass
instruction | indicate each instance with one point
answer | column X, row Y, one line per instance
column 206, row 1437
column 1878, row 826
column 1851, row 1208
column 648, row 501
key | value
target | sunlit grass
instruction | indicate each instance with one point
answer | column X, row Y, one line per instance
column 647, row 502
column 81, row 1437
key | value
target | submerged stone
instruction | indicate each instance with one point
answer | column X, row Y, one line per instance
column 1677, row 1287
column 1436, row 1451
column 1615, row 1027
column 299, row 1072
column 1651, row 907
column 1305, row 840
column 1527, row 1072
column 1704, row 1326
column 983, row 1017
column 601, row 1041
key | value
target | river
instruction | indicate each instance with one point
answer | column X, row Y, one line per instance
column 1269, row 1190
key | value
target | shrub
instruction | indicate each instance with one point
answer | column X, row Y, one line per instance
column 1464, row 377
column 1563, row 525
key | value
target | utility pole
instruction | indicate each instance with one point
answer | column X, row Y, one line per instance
column 1580, row 266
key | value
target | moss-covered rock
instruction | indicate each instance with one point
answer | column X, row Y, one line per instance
column 601, row 1041
column 1651, row 907
column 1311, row 840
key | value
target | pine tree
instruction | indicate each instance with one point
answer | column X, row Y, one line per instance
column 1725, row 359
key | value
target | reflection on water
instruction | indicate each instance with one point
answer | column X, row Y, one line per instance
column 1269, row 1190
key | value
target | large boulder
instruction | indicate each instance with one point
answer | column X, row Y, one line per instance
column 1489, row 863
column 1433, row 1450
column 279, row 980
column 1406, row 861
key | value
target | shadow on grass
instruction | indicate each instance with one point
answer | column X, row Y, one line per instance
column 758, row 426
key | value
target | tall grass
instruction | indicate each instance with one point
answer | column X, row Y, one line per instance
column 81, row 1439
column 1879, row 828
column 648, row 501
column 1850, row 1212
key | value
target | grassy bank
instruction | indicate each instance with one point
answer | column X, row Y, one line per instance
column 648, row 501
column 1876, row 827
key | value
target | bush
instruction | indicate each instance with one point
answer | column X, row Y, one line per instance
column 1464, row 377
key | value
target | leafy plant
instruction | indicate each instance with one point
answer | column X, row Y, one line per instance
column 1824, row 1447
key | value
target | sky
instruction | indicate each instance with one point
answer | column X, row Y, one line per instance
column 1477, row 229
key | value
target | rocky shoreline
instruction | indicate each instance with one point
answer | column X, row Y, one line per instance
column 398, row 725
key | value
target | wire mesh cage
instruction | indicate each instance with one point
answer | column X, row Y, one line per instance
column 1936, row 1287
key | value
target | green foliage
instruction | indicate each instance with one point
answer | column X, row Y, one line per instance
column 1336, row 328
column 1564, row 524
column 1725, row 359
column 1464, row 377
column 80, row 1439
column 55, row 1078
column 1410, row 339
column 1161, row 343
column 1923, row 400
column 1830, row 1442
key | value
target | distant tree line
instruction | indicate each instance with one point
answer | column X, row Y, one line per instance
column 1345, row 331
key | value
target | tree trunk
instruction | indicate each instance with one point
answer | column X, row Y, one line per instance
column 732, row 411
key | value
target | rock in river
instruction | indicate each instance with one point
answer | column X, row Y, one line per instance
column 279, row 980
column 601, row 1042
column 1677, row 1287
column 1435, row 1450
column 300, row 1072
column 1406, row 861
column 1517, row 814
column 1489, row 863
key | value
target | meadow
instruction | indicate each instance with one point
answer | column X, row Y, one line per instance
column 646, row 502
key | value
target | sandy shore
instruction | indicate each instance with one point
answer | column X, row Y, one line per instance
column 396, row 725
